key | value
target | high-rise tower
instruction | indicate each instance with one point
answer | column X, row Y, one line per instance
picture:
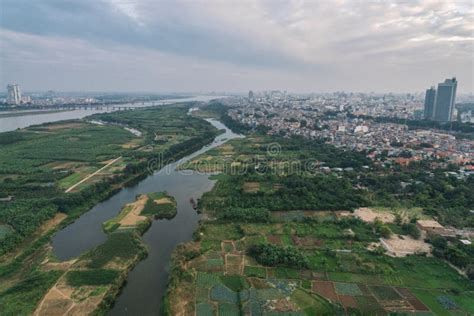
column 445, row 98
column 14, row 94
column 429, row 103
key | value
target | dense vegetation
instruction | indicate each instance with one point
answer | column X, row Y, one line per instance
column 244, row 215
column 78, row 278
column 271, row 255
column 22, row 298
column 454, row 251
column 38, row 163
column 448, row 198
column 123, row 245
column 166, row 208
column 319, row 192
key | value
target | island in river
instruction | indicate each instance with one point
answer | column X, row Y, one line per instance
column 40, row 163
column 92, row 281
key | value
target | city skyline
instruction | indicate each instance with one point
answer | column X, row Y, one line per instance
column 216, row 46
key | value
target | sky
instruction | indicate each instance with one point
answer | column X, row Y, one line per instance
column 236, row 45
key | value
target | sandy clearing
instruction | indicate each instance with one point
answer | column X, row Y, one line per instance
column 400, row 247
column 62, row 265
column 369, row 215
column 133, row 217
column 54, row 303
column 164, row 200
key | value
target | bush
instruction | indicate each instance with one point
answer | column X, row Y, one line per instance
column 412, row 230
column 470, row 271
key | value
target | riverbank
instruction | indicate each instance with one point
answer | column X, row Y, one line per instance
column 23, row 113
column 91, row 283
column 25, row 265
column 17, row 122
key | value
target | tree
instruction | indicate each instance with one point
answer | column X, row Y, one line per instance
column 470, row 271
column 412, row 230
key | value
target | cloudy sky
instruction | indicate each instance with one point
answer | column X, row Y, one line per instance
column 236, row 45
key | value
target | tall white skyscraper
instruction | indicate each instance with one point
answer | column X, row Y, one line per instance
column 14, row 94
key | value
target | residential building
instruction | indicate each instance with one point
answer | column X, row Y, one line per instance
column 14, row 94
column 251, row 95
column 429, row 103
column 444, row 102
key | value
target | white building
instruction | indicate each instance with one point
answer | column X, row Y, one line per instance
column 14, row 94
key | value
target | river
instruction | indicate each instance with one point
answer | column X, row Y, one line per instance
column 11, row 123
column 146, row 284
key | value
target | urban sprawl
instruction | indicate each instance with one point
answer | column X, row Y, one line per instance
column 389, row 128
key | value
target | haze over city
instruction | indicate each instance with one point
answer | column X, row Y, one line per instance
column 156, row 46
column 236, row 157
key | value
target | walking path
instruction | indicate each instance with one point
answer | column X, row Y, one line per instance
column 92, row 174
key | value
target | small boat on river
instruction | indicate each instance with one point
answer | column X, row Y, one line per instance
column 193, row 203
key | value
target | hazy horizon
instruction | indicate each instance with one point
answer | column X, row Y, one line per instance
column 180, row 46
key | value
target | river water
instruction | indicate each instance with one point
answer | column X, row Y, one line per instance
column 146, row 284
column 11, row 123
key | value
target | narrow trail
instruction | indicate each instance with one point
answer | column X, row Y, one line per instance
column 92, row 174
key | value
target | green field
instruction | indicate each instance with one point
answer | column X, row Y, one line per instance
column 37, row 165
column 4, row 230
column 340, row 272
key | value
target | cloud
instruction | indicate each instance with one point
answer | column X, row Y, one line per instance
column 307, row 40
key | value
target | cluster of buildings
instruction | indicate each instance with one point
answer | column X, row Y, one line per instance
column 14, row 96
column 439, row 104
column 350, row 121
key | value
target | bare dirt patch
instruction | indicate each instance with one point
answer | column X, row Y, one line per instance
column 274, row 239
column 62, row 265
column 227, row 150
column 52, row 223
column 325, row 289
column 308, row 241
column 369, row 215
column 412, row 299
column 132, row 144
column 182, row 300
column 164, row 200
column 348, row 301
column 55, row 127
column 62, row 299
column 133, row 217
column 281, row 305
column 64, row 165
column 401, row 246
column 251, row 187
column 54, row 303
